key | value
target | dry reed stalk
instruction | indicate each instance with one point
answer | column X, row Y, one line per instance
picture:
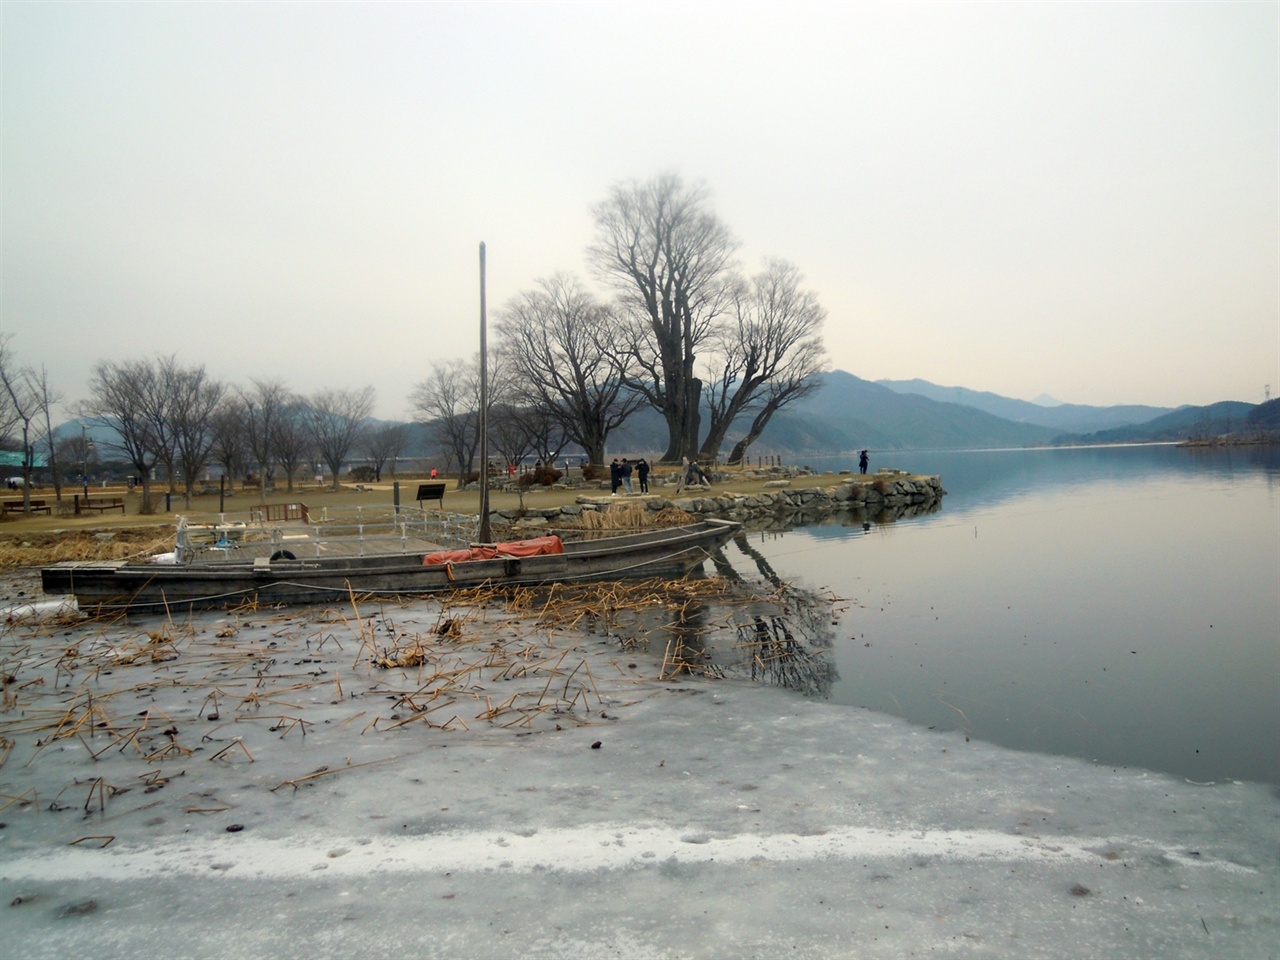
column 258, row 700
column 356, row 716
column 101, row 786
column 490, row 711
column 24, row 799
column 103, row 841
column 328, row 772
column 237, row 742
column 171, row 749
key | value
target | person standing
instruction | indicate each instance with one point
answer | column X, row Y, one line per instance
column 862, row 463
column 642, row 473
column 625, row 472
column 683, row 479
column 615, row 477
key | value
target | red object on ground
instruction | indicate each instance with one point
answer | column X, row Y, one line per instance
column 535, row 547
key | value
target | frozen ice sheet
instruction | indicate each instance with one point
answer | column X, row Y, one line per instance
column 713, row 819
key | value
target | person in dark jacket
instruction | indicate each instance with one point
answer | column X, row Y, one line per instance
column 862, row 463
column 615, row 477
column 625, row 472
column 642, row 474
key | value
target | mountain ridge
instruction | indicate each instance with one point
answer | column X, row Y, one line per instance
column 1074, row 418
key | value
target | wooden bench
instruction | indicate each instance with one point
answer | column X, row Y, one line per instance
column 15, row 506
column 278, row 512
column 431, row 491
column 101, row 505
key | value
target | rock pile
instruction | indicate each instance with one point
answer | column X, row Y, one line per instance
column 888, row 490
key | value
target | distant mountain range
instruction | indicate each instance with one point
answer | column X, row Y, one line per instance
column 1044, row 411
column 849, row 413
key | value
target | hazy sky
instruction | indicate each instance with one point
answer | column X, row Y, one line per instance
column 1079, row 199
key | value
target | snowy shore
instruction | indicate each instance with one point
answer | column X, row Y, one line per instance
column 251, row 785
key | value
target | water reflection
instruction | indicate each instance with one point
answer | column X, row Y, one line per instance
column 1118, row 605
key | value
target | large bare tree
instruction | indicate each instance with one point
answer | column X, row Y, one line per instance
column 261, row 405
column 195, row 398
column 448, row 403
column 291, row 443
column 659, row 244
column 230, row 445
column 766, row 355
column 337, row 421
column 563, row 348
column 116, row 389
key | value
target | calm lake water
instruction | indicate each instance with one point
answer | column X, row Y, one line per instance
column 1120, row 604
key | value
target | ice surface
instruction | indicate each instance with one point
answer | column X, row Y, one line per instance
column 714, row 818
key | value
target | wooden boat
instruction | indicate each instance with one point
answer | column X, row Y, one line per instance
column 222, row 578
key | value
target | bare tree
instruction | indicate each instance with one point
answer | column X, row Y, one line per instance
column 337, row 420
column 117, row 398
column 262, row 405
column 773, row 342
column 291, row 443
column 385, row 442
column 775, row 396
column 195, row 399
column 230, row 447
column 47, row 399
column 9, row 418
column 670, row 257
column 78, row 449
column 21, row 404
column 563, row 347
column 448, row 403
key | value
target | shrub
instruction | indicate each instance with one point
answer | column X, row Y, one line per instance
column 362, row 474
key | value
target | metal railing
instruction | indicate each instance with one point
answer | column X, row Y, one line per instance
column 327, row 531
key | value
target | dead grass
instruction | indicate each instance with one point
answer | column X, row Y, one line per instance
column 38, row 549
column 633, row 516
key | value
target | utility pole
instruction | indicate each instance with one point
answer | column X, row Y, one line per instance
column 486, row 536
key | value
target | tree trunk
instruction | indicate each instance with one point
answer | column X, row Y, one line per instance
column 753, row 433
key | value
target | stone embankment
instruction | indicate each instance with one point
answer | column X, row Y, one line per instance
column 785, row 500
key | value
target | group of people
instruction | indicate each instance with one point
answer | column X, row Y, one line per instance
column 620, row 473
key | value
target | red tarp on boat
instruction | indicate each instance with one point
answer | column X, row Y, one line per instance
column 538, row 546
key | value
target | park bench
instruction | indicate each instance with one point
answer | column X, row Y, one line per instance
column 101, row 505
column 431, row 491
column 15, row 506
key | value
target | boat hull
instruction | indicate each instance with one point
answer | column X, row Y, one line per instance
column 117, row 585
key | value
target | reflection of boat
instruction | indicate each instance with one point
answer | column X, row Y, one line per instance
column 219, row 577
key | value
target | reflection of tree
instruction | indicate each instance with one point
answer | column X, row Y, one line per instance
column 761, row 561
column 686, row 649
column 703, row 626
column 777, row 657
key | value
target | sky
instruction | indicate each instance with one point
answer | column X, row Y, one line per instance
column 1072, row 199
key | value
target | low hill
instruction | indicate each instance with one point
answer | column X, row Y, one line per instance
column 1185, row 423
column 1063, row 417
